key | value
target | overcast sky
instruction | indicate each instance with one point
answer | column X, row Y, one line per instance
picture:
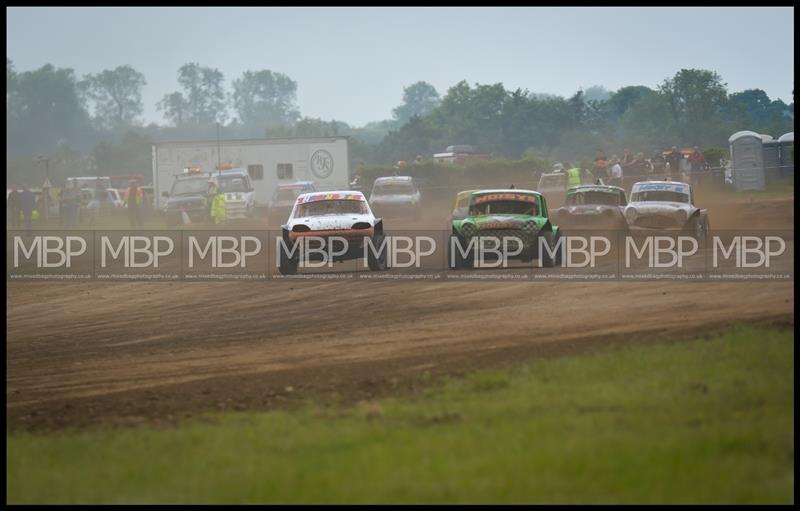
column 351, row 63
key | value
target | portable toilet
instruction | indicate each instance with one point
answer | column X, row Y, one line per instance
column 785, row 144
column 772, row 157
column 747, row 161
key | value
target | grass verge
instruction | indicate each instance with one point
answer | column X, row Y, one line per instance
column 708, row 421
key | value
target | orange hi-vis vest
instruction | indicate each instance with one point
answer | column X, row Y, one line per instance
column 139, row 196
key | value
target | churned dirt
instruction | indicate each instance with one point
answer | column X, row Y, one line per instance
column 81, row 354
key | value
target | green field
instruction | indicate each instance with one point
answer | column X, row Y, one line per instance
column 708, row 421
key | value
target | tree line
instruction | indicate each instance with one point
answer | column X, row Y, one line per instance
column 92, row 124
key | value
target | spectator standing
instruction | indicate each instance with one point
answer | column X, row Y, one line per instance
column 674, row 158
column 627, row 158
column 27, row 203
column 697, row 163
column 61, row 213
column 13, row 206
column 615, row 174
column 134, row 199
column 573, row 176
column 658, row 163
column 639, row 166
column 70, row 206
column 599, row 165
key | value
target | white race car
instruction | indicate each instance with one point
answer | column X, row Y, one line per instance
column 665, row 205
column 342, row 220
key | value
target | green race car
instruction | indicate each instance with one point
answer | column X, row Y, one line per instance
column 507, row 217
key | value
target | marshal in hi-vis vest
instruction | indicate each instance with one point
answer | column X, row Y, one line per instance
column 573, row 177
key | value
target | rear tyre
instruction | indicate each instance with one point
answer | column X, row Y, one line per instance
column 287, row 265
column 700, row 229
column 549, row 261
column 377, row 263
column 455, row 260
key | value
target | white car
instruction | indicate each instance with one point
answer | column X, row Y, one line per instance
column 112, row 197
column 117, row 197
column 240, row 196
column 330, row 215
column 665, row 205
column 553, row 185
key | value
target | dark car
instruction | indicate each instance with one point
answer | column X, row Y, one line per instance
column 188, row 194
column 592, row 207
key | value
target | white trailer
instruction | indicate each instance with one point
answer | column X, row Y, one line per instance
column 323, row 160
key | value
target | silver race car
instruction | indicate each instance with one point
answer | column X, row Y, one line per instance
column 665, row 205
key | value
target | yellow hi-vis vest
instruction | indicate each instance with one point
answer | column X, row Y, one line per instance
column 218, row 208
column 573, row 177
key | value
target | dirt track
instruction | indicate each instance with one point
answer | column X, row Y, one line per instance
column 96, row 352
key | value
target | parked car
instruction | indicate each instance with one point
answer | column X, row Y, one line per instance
column 188, row 194
column 240, row 197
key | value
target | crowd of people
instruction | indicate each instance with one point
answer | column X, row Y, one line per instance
column 21, row 207
column 671, row 165
column 75, row 205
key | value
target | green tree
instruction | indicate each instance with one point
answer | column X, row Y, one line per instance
column 46, row 109
column 266, row 98
column 754, row 101
column 470, row 115
column 696, row 98
column 117, row 95
column 175, row 108
column 624, row 98
column 537, row 122
column 648, row 123
column 11, row 81
column 309, row 127
column 416, row 137
column 419, row 99
column 202, row 100
column 11, row 76
column 596, row 93
column 753, row 108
